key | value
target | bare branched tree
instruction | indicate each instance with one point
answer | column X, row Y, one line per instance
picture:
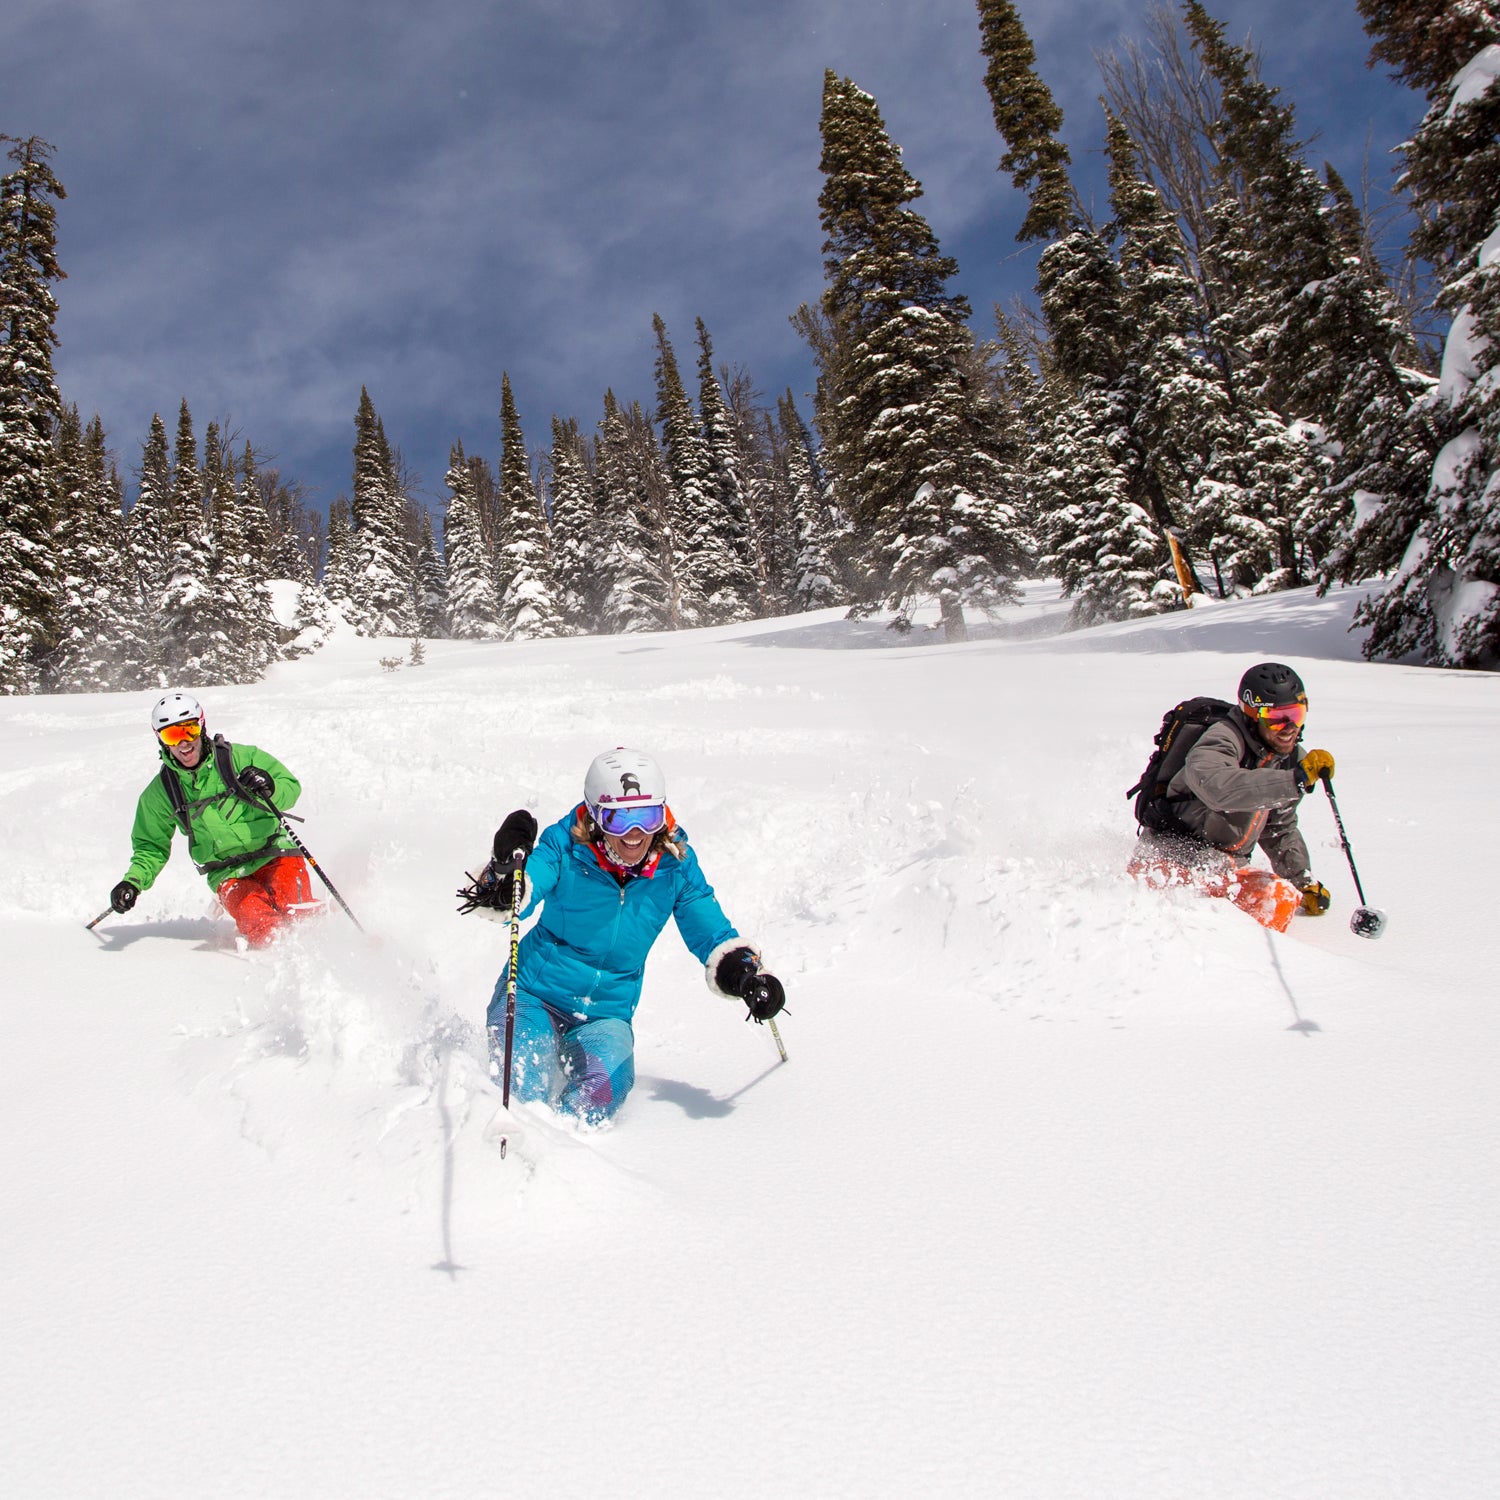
column 1161, row 91
column 1166, row 99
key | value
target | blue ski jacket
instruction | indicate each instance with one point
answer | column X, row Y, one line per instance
column 586, row 955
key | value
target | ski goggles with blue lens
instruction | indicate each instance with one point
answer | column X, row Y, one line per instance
column 650, row 818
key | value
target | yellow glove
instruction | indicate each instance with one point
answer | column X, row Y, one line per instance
column 1314, row 764
column 1315, row 899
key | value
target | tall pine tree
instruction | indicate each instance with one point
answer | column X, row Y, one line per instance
column 811, row 573
column 689, row 499
column 381, row 580
column 528, row 606
column 473, row 613
column 1442, row 603
column 1028, row 118
column 30, row 408
column 632, row 488
column 734, row 592
column 580, row 543
column 914, row 463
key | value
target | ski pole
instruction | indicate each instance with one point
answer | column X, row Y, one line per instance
column 306, row 853
column 780, row 1045
column 755, row 988
column 1367, row 921
column 517, row 866
column 108, row 911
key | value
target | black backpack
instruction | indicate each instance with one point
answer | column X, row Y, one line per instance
column 1181, row 728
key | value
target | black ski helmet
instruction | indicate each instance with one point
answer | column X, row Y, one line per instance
column 1269, row 684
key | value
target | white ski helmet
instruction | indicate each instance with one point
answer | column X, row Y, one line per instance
column 623, row 778
column 175, row 708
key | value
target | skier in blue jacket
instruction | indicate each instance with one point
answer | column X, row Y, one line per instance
column 606, row 877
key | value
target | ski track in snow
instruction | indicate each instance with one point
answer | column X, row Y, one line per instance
column 1069, row 1188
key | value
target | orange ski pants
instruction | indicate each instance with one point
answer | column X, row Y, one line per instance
column 262, row 900
column 1272, row 901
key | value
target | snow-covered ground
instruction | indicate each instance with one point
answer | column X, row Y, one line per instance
column 1069, row 1188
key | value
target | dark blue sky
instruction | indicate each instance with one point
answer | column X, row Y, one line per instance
column 272, row 204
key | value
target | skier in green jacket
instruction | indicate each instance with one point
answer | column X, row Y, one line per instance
column 233, row 838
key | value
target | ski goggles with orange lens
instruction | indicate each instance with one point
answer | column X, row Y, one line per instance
column 1279, row 715
column 650, row 819
column 180, row 734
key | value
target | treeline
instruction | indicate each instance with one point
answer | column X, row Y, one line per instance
column 692, row 515
column 1219, row 388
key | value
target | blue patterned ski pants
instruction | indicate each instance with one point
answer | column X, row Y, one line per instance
column 577, row 1068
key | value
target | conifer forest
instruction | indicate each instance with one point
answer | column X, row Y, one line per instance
column 1237, row 382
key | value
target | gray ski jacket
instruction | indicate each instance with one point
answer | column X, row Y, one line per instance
column 1239, row 793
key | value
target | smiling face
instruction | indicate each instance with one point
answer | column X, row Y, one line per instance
column 628, row 848
column 1280, row 725
column 187, row 753
column 1280, row 735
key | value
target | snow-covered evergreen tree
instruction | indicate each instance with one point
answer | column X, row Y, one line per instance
column 148, row 522
column 473, row 610
column 580, row 543
column 734, row 594
column 255, row 519
column 637, row 565
column 1089, row 474
column 1307, row 323
column 340, row 561
column 1443, row 602
column 191, row 634
column 1103, row 546
column 812, row 573
column 30, row 407
column 293, row 530
column 381, row 581
column 1095, row 466
column 916, row 468
column 187, row 509
column 1174, row 395
column 241, row 600
column 432, row 585
column 762, row 472
column 1028, row 118
column 690, row 501
column 100, row 645
column 528, row 607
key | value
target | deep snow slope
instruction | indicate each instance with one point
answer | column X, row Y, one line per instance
column 1069, row 1189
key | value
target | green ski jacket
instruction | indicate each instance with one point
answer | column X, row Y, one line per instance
column 224, row 827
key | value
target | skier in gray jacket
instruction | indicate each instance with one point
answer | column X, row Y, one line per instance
column 1240, row 786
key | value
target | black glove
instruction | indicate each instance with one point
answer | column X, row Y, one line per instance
column 739, row 973
column 255, row 780
column 763, row 994
column 731, row 971
column 516, row 835
column 122, row 898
